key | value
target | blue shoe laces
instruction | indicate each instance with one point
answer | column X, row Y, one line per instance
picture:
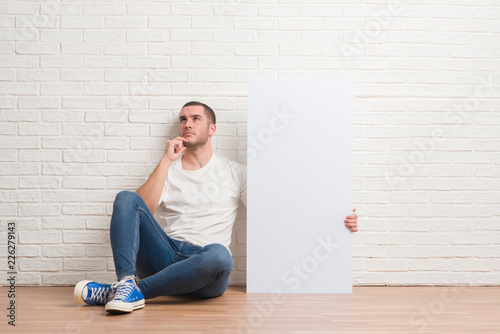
column 99, row 295
column 123, row 289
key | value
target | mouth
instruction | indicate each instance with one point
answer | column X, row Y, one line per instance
column 188, row 133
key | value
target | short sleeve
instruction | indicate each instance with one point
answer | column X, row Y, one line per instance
column 163, row 192
column 241, row 173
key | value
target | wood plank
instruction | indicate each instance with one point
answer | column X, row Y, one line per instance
column 367, row 310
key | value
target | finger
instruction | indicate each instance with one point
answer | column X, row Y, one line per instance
column 180, row 148
column 182, row 139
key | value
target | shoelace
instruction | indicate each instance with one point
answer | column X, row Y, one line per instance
column 123, row 288
column 100, row 295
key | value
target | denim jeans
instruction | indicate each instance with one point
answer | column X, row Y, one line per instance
column 163, row 266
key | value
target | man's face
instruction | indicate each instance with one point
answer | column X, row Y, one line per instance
column 195, row 126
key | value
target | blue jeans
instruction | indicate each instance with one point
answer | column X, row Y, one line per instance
column 164, row 266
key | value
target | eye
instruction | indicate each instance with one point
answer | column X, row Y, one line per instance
column 196, row 118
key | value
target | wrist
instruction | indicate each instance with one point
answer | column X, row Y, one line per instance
column 166, row 160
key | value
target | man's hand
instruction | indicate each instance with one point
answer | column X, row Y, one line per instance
column 174, row 148
column 351, row 222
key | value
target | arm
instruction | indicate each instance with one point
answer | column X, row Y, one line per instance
column 151, row 190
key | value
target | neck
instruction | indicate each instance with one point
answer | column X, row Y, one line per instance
column 197, row 157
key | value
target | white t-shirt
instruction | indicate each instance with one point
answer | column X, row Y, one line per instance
column 199, row 206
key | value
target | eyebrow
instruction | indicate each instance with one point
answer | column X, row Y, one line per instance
column 181, row 117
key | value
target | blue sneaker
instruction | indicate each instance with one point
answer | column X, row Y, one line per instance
column 92, row 293
column 127, row 296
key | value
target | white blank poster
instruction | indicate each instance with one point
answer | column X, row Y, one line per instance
column 299, row 186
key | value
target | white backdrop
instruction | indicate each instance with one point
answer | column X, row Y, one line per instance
column 299, row 186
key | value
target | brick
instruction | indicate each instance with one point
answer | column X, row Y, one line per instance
column 129, row 22
column 84, row 264
column 85, row 237
column 126, row 130
column 37, row 48
column 103, row 9
column 98, row 251
column 147, row 62
column 76, row 182
column 61, row 279
column 60, row 9
column 106, row 196
column 236, row 9
column 19, row 142
column 40, row 209
column 20, row 196
column 128, row 156
column 148, row 35
column 39, row 182
column 82, row 22
column 18, row 8
column 254, row 23
column 89, row 209
column 67, row 251
column 429, row 264
column 29, row 251
column 61, row 89
column 469, row 25
column 39, row 237
column 387, row 265
column 471, row 238
column 81, row 49
column 255, row 50
column 429, row 238
column 98, row 223
column 57, row 35
column 8, row 210
column 8, row 129
column 387, row 239
column 63, row 223
column 60, row 61
column 182, row 49
column 83, row 102
column 71, row 158
column 7, row 75
column 125, row 49
column 147, row 9
column 124, row 183
column 17, row 88
column 39, row 265
column 63, row 196
column 104, row 36
column 30, row 75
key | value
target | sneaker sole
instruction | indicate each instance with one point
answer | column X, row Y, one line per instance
column 122, row 307
column 77, row 293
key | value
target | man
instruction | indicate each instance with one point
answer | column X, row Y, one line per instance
column 196, row 197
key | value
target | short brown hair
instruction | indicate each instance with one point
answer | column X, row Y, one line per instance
column 208, row 111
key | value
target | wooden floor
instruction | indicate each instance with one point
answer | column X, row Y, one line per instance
column 368, row 310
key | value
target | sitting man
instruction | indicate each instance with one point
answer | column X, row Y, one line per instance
column 196, row 198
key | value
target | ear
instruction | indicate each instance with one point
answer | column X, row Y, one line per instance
column 212, row 129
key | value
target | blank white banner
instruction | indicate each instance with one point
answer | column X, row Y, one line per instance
column 299, row 186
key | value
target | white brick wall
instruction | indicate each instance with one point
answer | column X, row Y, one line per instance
column 90, row 91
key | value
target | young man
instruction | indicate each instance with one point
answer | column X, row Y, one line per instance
column 196, row 197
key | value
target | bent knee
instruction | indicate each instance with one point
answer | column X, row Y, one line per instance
column 220, row 255
column 126, row 197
